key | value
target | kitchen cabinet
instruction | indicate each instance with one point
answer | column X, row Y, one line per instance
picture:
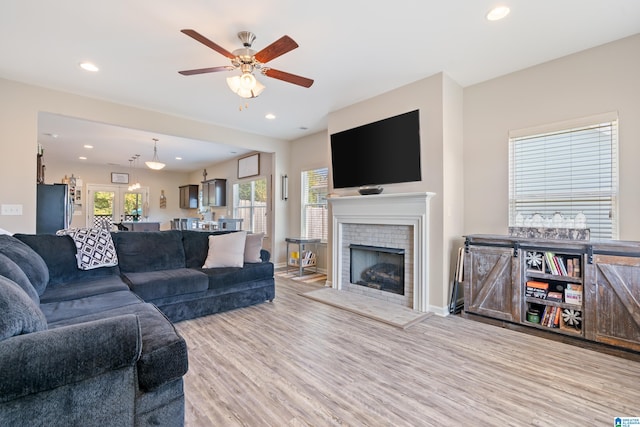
column 188, row 196
column 214, row 192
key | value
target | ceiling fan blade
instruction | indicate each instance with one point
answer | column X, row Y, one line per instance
column 288, row 77
column 206, row 70
column 205, row 41
column 279, row 47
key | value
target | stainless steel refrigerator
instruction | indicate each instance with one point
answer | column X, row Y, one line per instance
column 53, row 208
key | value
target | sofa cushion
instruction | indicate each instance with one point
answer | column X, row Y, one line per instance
column 57, row 311
column 252, row 247
column 83, row 289
column 13, row 272
column 231, row 276
column 94, row 247
column 226, row 250
column 59, row 254
column 151, row 285
column 20, row 314
column 29, row 261
column 140, row 251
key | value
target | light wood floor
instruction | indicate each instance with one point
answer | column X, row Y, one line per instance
column 299, row 362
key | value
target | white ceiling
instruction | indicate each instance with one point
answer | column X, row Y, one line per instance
column 353, row 51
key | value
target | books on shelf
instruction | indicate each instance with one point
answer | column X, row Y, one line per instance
column 551, row 266
column 556, row 319
column 554, row 296
column 551, row 316
column 562, row 266
column 306, row 259
column 537, row 289
column 573, row 294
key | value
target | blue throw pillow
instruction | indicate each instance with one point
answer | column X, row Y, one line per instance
column 20, row 315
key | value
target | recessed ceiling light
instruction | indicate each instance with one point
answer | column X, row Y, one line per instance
column 88, row 146
column 178, row 158
column 498, row 13
column 88, row 66
column 270, row 116
column 82, row 158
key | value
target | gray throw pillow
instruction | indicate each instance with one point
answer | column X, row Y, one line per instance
column 13, row 272
column 20, row 315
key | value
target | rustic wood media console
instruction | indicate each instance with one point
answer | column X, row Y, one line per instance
column 584, row 291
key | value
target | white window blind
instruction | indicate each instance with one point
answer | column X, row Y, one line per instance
column 568, row 171
column 314, row 203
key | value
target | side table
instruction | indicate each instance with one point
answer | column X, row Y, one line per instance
column 304, row 259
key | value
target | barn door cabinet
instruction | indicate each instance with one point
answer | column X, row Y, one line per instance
column 492, row 281
column 583, row 289
column 612, row 298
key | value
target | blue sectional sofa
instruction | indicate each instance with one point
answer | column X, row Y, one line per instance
column 98, row 346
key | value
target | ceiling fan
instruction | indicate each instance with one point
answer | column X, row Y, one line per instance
column 247, row 60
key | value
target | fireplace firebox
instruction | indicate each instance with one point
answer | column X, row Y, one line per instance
column 377, row 267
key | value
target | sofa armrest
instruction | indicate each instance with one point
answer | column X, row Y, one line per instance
column 40, row 361
column 265, row 255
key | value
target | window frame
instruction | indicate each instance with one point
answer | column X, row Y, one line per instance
column 595, row 197
column 322, row 170
column 253, row 206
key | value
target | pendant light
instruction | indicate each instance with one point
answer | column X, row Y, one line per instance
column 134, row 175
column 155, row 163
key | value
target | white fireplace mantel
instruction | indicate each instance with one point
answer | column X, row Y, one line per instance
column 386, row 209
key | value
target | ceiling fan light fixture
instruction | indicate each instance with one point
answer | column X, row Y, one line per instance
column 247, row 81
column 235, row 83
column 155, row 163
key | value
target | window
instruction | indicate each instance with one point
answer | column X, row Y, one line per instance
column 133, row 206
column 571, row 170
column 250, row 204
column 314, row 203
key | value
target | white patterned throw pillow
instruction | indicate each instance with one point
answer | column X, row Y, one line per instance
column 94, row 247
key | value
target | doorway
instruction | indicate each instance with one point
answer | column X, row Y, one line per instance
column 111, row 204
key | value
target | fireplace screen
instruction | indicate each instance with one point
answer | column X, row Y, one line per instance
column 377, row 267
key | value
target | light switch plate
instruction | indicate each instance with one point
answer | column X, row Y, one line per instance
column 11, row 210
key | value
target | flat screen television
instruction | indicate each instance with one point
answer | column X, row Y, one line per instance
column 382, row 152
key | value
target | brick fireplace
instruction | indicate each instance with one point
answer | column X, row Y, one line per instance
column 399, row 221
